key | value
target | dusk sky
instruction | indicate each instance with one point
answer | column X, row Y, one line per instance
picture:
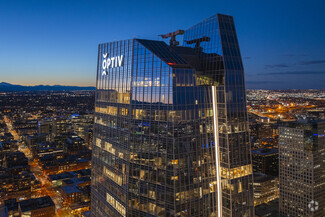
column 55, row 42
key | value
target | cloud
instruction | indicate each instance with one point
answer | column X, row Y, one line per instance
column 312, row 62
column 293, row 73
column 276, row 66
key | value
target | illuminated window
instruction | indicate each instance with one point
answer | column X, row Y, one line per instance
column 113, row 176
column 109, row 148
column 98, row 142
column 236, row 172
column 123, row 98
column 174, row 178
column 140, row 113
column 117, row 205
column 123, row 111
column 111, row 110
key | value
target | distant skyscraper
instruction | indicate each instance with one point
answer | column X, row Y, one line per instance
column 171, row 132
column 302, row 173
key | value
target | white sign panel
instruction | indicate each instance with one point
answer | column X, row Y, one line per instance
column 111, row 62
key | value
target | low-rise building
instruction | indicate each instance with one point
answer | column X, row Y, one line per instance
column 15, row 162
column 73, row 145
column 65, row 164
column 12, row 207
column 266, row 188
column 47, row 148
column 71, row 193
column 32, row 140
column 15, row 185
column 36, row 207
column 57, row 179
column 270, row 209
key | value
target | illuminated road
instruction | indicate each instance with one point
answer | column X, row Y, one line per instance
column 35, row 168
column 9, row 126
column 276, row 112
column 47, row 189
column 259, row 114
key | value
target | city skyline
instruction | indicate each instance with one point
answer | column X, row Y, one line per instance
column 54, row 43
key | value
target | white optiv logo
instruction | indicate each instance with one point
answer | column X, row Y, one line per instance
column 111, row 62
column 313, row 205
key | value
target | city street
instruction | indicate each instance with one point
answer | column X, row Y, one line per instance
column 47, row 188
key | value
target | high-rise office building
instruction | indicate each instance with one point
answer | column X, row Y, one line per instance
column 301, row 172
column 171, row 133
column 266, row 161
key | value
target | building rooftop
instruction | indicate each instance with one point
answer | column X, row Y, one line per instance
column 36, row 135
column 70, row 175
column 84, row 172
column 70, row 189
column 65, row 175
column 86, row 214
column 36, row 203
column 62, row 161
column 68, row 181
column 270, row 209
column 305, row 124
column 261, row 177
column 265, row 151
column 8, row 135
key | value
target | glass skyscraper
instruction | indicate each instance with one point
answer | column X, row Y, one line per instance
column 171, row 131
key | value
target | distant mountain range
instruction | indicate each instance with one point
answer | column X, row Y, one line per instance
column 4, row 87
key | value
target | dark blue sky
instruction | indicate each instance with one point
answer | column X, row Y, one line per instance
column 55, row 42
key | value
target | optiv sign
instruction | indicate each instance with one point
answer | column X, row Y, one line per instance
column 111, row 62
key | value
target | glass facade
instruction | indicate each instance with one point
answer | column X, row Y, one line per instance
column 156, row 135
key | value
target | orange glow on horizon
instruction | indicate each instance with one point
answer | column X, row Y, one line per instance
column 88, row 84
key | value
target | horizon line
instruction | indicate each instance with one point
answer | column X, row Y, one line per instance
column 71, row 85
column 51, row 85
